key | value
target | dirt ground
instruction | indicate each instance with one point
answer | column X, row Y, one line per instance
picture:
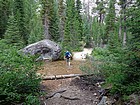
column 76, row 91
column 60, row 68
column 73, row 91
column 69, row 91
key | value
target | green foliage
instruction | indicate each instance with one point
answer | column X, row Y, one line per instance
column 100, row 53
column 61, row 14
column 120, row 66
column 36, row 30
column 87, row 36
column 110, row 22
column 79, row 20
column 12, row 34
column 53, row 20
column 20, row 16
column 73, row 26
column 33, row 21
column 98, row 33
column 18, row 76
column 119, row 69
column 5, row 11
column 31, row 100
column 50, row 16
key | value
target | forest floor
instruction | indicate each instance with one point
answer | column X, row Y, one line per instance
column 69, row 91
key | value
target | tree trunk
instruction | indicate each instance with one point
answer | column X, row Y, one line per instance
column 120, row 30
column 124, row 27
column 124, row 36
column 46, row 27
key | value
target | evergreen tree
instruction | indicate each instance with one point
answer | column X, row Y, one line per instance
column 12, row 34
column 50, row 19
column 53, row 21
column 73, row 29
column 61, row 13
column 45, row 18
column 33, row 22
column 133, row 55
column 110, row 23
column 122, row 66
column 98, row 32
column 87, row 31
column 79, row 19
column 123, row 27
column 36, row 30
column 100, row 9
column 19, row 14
column 5, row 11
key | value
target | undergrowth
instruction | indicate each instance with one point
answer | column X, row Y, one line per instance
column 19, row 82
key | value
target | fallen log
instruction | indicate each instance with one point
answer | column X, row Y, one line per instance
column 54, row 77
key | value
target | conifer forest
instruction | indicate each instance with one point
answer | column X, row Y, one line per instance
column 110, row 27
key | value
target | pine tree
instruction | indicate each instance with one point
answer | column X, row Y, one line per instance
column 100, row 9
column 19, row 14
column 27, row 17
column 61, row 13
column 5, row 11
column 86, row 31
column 12, row 34
column 125, row 68
column 53, row 21
column 33, row 22
column 123, row 27
column 133, row 55
column 36, row 30
column 50, row 19
column 68, row 35
column 110, row 23
column 73, row 25
column 79, row 19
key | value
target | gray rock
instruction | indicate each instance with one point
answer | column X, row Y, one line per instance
column 103, row 101
column 46, row 48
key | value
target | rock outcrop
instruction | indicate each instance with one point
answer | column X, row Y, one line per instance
column 46, row 48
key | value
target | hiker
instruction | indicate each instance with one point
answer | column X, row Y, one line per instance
column 68, row 57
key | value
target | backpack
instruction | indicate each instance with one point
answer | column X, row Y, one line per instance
column 67, row 54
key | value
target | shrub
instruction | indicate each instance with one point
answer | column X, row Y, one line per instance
column 100, row 53
column 120, row 68
column 18, row 76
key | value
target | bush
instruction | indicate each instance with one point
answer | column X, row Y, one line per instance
column 123, row 77
column 120, row 67
column 18, row 76
column 100, row 53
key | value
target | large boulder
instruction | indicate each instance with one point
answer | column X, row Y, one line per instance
column 46, row 48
